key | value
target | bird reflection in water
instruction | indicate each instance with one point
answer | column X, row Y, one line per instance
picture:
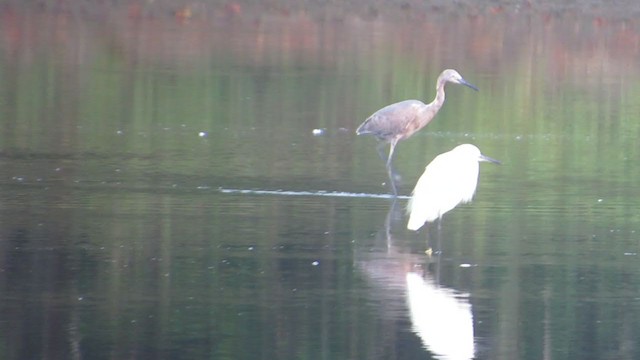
column 406, row 284
column 440, row 317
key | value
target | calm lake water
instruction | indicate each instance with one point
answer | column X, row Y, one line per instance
column 188, row 184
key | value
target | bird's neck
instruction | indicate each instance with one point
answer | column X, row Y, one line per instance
column 439, row 100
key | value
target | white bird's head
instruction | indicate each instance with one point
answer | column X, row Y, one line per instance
column 471, row 152
column 453, row 76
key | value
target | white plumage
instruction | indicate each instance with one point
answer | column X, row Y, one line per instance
column 450, row 179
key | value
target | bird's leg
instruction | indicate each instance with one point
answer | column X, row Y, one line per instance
column 434, row 256
column 393, row 182
column 381, row 151
column 387, row 160
column 439, row 246
column 391, row 173
column 438, row 251
column 428, row 241
column 437, row 277
column 392, row 148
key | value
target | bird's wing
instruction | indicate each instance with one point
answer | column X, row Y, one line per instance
column 435, row 193
column 391, row 120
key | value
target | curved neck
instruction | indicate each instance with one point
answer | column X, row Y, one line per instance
column 439, row 99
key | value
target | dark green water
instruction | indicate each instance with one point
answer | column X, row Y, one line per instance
column 163, row 194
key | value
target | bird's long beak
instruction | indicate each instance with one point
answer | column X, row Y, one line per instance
column 465, row 83
column 488, row 159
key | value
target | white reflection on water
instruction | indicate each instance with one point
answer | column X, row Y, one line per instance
column 443, row 321
column 441, row 317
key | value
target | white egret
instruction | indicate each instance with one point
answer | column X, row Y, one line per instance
column 450, row 179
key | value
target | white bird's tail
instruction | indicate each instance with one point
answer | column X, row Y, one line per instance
column 417, row 217
column 414, row 223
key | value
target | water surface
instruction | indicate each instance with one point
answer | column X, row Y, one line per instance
column 189, row 185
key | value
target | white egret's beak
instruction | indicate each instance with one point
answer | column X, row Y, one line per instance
column 488, row 159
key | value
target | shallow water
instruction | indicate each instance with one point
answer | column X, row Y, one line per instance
column 193, row 188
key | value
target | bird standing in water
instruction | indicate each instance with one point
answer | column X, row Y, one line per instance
column 399, row 121
column 450, row 179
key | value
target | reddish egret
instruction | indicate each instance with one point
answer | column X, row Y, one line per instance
column 450, row 179
column 398, row 121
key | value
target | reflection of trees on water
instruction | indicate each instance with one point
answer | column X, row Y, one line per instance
column 570, row 42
